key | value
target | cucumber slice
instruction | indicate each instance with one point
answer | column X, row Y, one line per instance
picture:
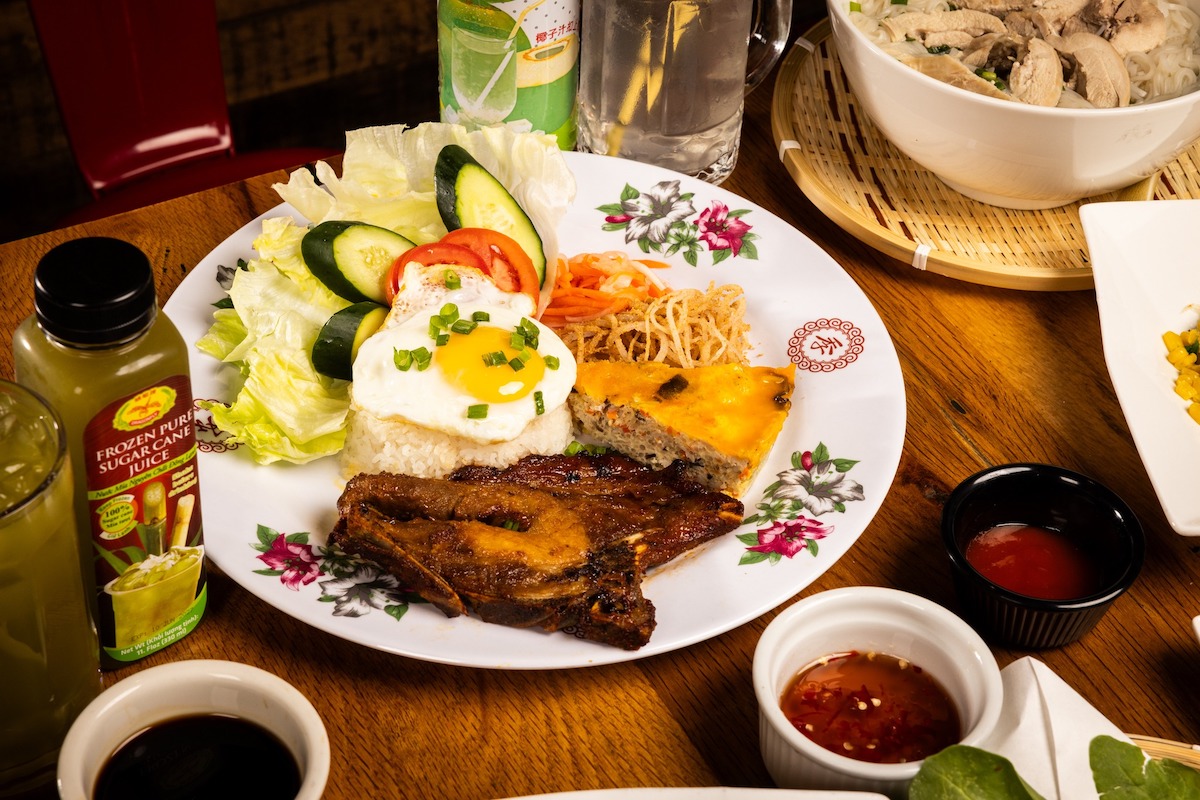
column 468, row 196
column 337, row 344
column 352, row 258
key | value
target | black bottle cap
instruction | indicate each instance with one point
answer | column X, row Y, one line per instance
column 94, row 291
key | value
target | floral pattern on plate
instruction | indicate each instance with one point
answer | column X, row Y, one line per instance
column 658, row 221
column 816, row 484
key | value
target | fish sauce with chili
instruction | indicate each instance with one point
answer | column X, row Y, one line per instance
column 872, row 707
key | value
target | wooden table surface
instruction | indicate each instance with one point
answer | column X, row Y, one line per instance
column 992, row 376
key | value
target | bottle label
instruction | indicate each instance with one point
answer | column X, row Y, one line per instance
column 510, row 60
column 143, row 499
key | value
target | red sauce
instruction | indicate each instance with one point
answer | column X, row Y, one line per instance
column 872, row 707
column 1035, row 562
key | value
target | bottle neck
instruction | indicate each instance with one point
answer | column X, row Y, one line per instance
column 105, row 346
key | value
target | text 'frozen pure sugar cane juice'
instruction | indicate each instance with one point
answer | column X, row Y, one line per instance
column 117, row 370
column 510, row 60
column 663, row 82
column 49, row 667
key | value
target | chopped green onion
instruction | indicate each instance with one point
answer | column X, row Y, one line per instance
column 477, row 411
column 529, row 331
column 481, row 316
column 494, row 359
column 539, row 404
column 441, row 340
column 577, row 447
column 452, row 280
column 435, row 326
column 464, row 326
column 422, row 357
column 449, row 310
column 551, row 362
column 517, row 340
column 402, row 359
column 517, row 364
column 855, row 6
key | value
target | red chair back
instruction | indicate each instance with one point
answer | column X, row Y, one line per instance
column 139, row 83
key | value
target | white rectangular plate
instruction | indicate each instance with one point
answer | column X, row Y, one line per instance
column 1146, row 264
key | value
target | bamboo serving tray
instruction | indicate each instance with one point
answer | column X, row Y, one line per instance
column 858, row 179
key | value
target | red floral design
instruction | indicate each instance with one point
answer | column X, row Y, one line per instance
column 297, row 563
column 721, row 231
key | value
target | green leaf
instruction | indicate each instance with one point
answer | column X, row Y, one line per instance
column 1122, row 772
column 748, row 538
column 614, row 226
column 275, row 573
column 690, row 257
column 296, row 538
column 644, row 244
column 611, row 209
column 266, row 535
column 821, row 453
column 687, row 195
column 396, row 610
column 812, row 546
column 628, row 193
column 741, row 212
column 961, row 772
column 720, row 255
column 748, row 251
column 843, row 464
column 797, row 459
column 752, row 558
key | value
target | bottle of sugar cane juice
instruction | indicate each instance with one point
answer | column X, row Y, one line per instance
column 117, row 371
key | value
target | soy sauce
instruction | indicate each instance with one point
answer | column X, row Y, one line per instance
column 201, row 756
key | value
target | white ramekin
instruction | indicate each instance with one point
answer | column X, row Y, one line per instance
column 169, row 691
column 867, row 618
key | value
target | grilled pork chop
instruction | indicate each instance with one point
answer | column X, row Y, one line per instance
column 553, row 542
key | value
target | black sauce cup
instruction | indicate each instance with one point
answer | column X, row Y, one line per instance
column 1086, row 512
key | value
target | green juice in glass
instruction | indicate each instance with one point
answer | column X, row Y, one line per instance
column 49, row 661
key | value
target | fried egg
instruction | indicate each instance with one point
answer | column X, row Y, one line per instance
column 424, row 287
column 484, row 381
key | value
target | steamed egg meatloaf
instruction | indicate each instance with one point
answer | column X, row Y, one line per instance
column 721, row 420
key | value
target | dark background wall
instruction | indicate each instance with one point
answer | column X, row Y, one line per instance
column 297, row 73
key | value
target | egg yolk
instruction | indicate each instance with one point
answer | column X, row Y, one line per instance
column 463, row 364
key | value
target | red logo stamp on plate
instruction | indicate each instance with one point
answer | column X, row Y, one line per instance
column 825, row 345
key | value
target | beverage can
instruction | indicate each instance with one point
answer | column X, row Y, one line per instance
column 508, row 61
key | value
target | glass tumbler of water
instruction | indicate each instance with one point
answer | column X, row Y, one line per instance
column 664, row 81
column 49, row 652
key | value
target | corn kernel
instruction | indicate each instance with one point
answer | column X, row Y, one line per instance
column 1182, row 349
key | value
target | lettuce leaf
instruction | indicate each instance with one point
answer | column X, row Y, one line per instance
column 286, row 410
column 961, row 772
column 387, row 179
column 1122, row 772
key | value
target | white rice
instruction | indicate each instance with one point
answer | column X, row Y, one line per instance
column 393, row 445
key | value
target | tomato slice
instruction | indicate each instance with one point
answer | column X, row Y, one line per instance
column 440, row 252
column 507, row 263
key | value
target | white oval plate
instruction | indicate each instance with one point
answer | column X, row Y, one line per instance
column 704, row 793
column 848, row 414
column 1146, row 264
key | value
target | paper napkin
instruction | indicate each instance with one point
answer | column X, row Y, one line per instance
column 1045, row 730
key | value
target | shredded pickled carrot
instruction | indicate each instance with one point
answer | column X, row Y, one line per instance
column 589, row 285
